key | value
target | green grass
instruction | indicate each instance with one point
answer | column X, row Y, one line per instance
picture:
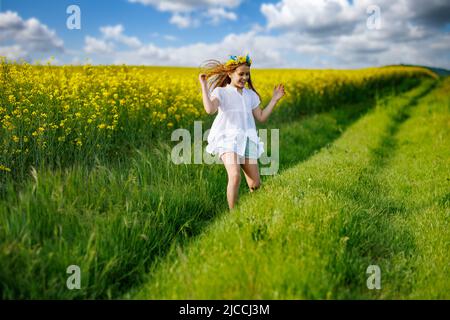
column 118, row 219
column 376, row 196
column 60, row 116
column 143, row 225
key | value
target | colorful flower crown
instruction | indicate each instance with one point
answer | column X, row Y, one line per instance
column 239, row 60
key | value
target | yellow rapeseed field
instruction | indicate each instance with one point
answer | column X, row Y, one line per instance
column 60, row 112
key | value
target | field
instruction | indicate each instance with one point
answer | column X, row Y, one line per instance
column 86, row 180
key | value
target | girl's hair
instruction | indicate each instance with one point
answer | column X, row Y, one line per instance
column 217, row 74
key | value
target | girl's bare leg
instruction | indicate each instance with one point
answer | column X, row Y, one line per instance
column 230, row 160
column 251, row 172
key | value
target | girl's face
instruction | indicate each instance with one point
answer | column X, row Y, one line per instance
column 240, row 76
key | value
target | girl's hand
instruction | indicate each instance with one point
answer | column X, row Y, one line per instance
column 278, row 92
column 202, row 78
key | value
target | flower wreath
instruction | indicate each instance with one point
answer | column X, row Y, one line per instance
column 239, row 60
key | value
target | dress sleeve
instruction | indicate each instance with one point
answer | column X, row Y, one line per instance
column 255, row 100
column 216, row 94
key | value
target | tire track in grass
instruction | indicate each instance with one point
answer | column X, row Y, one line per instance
column 418, row 177
column 375, row 228
column 117, row 221
column 122, row 216
column 281, row 242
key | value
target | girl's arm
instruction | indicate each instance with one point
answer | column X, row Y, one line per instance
column 263, row 114
column 210, row 106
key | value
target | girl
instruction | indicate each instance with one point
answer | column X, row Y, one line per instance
column 233, row 133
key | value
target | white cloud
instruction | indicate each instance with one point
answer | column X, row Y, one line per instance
column 14, row 52
column 184, row 21
column 218, row 14
column 325, row 18
column 111, row 36
column 93, row 45
column 290, row 38
column 360, row 48
column 170, row 37
column 23, row 37
column 318, row 16
column 116, row 33
column 337, row 30
column 187, row 5
column 184, row 10
column 78, row 61
column 112, row 32
column 195, row 54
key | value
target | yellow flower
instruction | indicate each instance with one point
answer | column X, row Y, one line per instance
column 88, row 98
column 2, row 167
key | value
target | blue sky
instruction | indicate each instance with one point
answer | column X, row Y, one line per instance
column 277, row 33
column 138, row 20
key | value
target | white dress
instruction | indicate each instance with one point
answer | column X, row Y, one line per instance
column 234, row 122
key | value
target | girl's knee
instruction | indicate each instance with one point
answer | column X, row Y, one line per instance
column 234, row 178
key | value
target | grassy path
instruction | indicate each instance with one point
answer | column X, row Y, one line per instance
column 117, row 221
column 377, row 196
column 123, row 221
